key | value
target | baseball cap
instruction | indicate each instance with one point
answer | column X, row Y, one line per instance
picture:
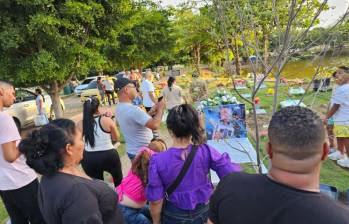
column 121, row 83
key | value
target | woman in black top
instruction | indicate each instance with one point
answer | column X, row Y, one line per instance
column 66, row 194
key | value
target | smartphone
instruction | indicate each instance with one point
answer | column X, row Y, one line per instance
column 160, row 98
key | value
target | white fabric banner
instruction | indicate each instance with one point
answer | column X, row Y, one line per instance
column 240, row 150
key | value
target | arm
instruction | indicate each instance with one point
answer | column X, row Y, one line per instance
column 155, row 211
column 10, row 151
column 152, row 96
column 155, row 190
column 336, row 100
column 9, row 136
column 115, row 135
column 221, row 163
column 155, row 122
column 41, row 106
column 332, row 110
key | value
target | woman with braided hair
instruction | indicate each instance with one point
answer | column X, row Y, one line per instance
column 188, row 201
column 66, row 194
column 172, row 94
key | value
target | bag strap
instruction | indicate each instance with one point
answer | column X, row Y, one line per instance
column 182, row 173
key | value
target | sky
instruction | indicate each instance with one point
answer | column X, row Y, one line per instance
column 337, row 8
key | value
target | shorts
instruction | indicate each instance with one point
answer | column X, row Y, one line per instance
column 341, row 131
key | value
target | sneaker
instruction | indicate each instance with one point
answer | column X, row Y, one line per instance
column 343, row 162
column 336, row 156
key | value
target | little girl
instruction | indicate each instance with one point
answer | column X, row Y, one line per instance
column 132, row 199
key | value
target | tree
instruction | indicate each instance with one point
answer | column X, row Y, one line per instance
column 194, row 34
column 46, row 42
column 291, row 28
column 146, row 39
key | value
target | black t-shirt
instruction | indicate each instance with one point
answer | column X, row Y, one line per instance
column 256, row 199
column 65, row 198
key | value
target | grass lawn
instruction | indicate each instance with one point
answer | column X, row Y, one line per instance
column 331, row 173
column 3, row 213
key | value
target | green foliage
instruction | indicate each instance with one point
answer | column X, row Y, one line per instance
column 145, row 39
column 42, row 42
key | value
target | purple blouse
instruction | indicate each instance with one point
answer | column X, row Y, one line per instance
column 195, row 188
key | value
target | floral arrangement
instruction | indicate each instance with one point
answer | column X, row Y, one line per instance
column 220, row 97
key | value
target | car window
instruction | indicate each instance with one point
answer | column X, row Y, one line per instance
column 92, row 85
column 86, row 81
column 24, row 95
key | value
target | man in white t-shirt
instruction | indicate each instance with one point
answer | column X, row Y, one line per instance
column 147, row 89
column 135, row 124
column 18, row 182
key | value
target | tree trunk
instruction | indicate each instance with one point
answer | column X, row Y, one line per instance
column 276, row 86
column 56, row 104
column 266, row 49
column 236, row 57
column 257, row 137
column 53, row 91
column 235, row 49
column 140, row 68
column 197, row 56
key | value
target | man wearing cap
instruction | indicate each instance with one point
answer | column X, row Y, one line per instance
column 135, row 124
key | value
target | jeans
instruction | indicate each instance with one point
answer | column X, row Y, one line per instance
column 22, row 204
column 134, row 215
column 174, row 215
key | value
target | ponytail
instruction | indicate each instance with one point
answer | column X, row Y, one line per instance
column 170, row 82
column 183, row 121
column 140, row 166
column 88, row 122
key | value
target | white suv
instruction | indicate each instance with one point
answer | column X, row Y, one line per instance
column 24, row 109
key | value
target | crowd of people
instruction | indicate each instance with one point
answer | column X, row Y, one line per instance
column 166, row 183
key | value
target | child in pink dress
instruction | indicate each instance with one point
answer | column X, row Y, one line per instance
column 131, row 191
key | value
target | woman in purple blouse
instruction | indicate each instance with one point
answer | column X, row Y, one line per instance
column 189, row 202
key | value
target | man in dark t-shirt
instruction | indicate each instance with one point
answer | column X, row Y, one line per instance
column 289, row 193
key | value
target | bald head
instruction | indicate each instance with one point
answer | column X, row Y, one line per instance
column 149, row 75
